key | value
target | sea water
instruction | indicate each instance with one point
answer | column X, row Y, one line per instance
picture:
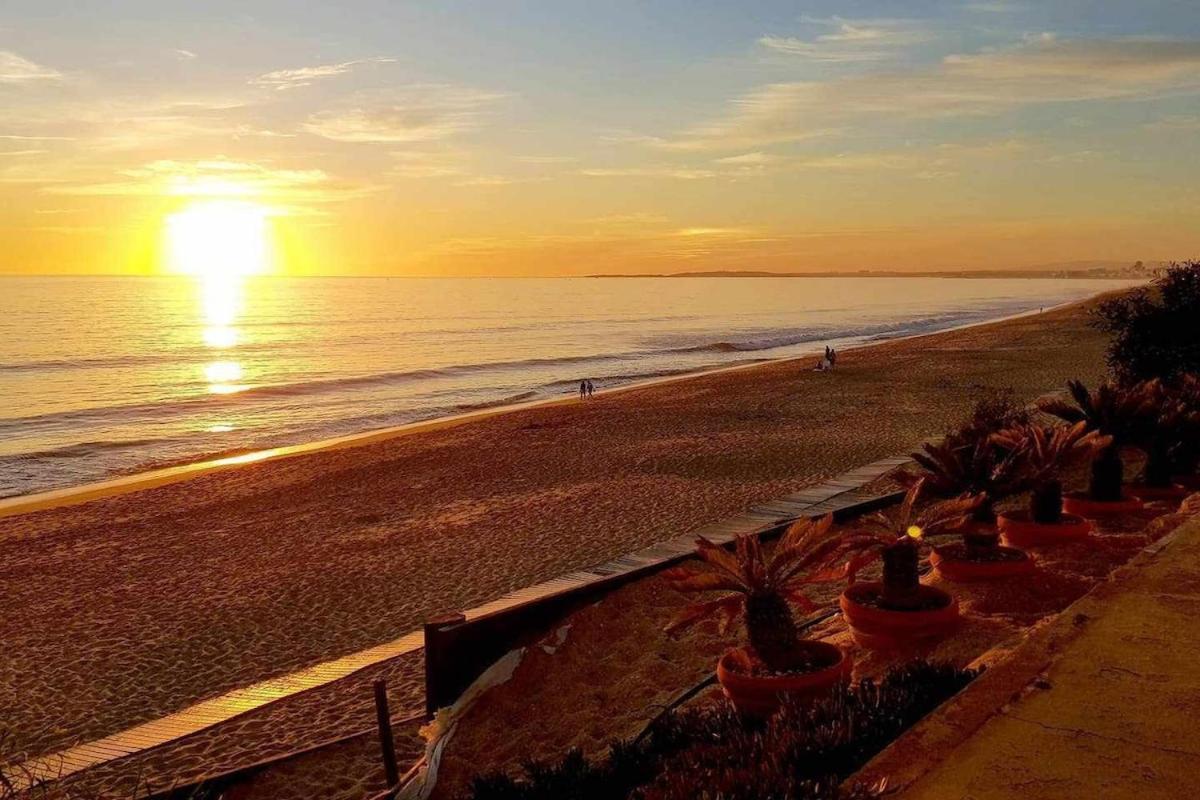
column 106, row 375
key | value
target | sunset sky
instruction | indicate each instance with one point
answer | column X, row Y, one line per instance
column 570, row 137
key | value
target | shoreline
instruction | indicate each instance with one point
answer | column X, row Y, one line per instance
column 152, row 477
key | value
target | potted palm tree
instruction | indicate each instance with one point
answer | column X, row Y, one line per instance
column 761, row 590
column 1186, row 458
column 1166, row 433
column 979, row 467
column 1114, row 411
column 899, row 610
column 1044, row 452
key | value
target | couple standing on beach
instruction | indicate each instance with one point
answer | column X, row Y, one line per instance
column 827, row 363
column 586, row 389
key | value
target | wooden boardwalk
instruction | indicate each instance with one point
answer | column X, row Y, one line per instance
column 831, row 496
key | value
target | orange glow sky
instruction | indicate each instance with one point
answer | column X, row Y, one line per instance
column 565, row 138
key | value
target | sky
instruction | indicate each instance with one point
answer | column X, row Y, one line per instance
column 568, row 137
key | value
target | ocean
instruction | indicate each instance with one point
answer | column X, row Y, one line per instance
column 103, row 375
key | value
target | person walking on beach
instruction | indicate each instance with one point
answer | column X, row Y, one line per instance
column 832, row 358
column 591, row 388
column 583, row 390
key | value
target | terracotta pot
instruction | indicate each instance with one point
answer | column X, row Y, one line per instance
column 885, row 628
column 1148, row 494
column 951, row 563
column 1018, row 528
column 1082, row 505
column 760, row 695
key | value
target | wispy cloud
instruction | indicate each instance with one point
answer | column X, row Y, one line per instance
column 284, row 79
column 15, row 137
column 1174, row 122
column 430, row 164
column 184, row 55
column 993, row 7
column 851, row 40
column 219, row 178
column 15, row 69
column 416, row 113
column 1041, row 70
column 682, row 173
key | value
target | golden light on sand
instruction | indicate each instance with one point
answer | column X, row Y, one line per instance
column 218, row 238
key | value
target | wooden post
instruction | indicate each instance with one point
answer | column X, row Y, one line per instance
column 442, row 666
column 386, row 743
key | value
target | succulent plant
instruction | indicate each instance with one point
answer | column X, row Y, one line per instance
column 1114, row 411
column 1042, row 453
column 896, row 539
column 761, row 588
column 1167, row 432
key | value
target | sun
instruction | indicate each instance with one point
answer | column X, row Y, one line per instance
column 218, row 238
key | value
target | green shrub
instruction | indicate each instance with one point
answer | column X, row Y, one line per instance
column 711, row 753
column 1154, row 330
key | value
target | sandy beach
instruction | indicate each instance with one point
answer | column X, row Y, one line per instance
column 123, row 609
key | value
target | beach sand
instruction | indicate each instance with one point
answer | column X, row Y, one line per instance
column 123, row 609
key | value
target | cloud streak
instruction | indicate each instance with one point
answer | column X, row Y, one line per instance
column 18, row 70
column 1040, row 71
column 418, row 113
column 850, row 41
column 285, row 79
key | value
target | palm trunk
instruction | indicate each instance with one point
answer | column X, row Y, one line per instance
column 901, row 580
column 771, row 628
column 1108, row 475
column 980, row 537
column 1045, row 504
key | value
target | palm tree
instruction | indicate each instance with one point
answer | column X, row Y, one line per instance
column 761, row 588
column 1043, row 452
column 1114, row 411
column 896, row 538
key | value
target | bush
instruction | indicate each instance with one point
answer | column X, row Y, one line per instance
column 711, row 753
column 1154, row 330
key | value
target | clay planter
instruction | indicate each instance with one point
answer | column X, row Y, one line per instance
column 760, row 695
column 953, row 565
column 1018, row 528
column 885, row 628
column 1081, row 505
column 1148, row 494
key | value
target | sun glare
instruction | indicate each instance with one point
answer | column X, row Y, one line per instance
column 218, row 238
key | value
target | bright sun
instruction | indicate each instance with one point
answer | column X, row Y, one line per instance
column 218, row 238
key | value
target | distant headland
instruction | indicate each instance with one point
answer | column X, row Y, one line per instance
column 1070, row 270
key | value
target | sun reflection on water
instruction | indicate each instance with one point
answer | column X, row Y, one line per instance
column 220, row 243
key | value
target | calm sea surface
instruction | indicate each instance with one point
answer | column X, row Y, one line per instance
column 100, row 376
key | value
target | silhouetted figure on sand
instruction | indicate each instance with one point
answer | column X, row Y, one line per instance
column 583, row 390
column 591, row 388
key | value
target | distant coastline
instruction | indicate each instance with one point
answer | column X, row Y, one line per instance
column 1124, row 272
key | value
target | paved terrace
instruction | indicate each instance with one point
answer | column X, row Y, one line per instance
column 1102, row 703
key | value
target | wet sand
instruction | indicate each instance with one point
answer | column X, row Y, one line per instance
column 126, row 608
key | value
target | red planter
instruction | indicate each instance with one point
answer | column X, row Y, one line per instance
column 1148, row 494
column 883, row 628
column 949, row 561
column 1017, row 528
column 1081, row 505
column 760, row 695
